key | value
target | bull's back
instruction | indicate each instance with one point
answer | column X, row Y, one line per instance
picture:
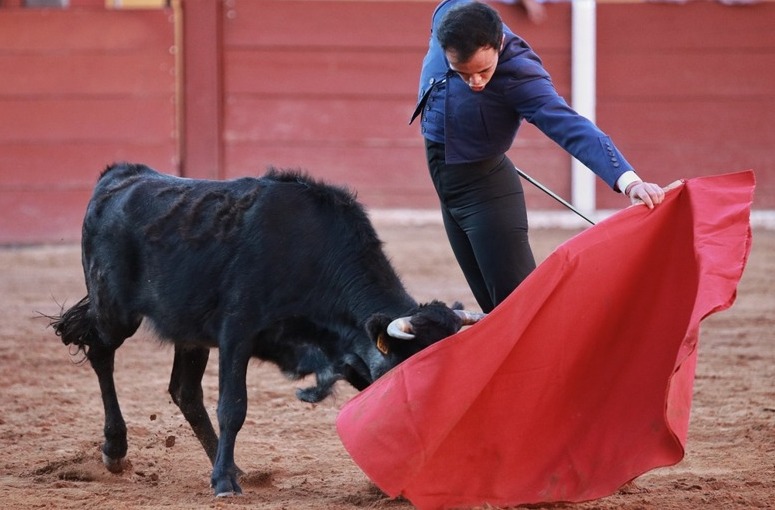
column 177, row 250
column 137, row 200
column 158, row 246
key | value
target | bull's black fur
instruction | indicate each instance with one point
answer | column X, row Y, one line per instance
column 283, row 268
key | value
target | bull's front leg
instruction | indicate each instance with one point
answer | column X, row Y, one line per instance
column 188, row 368
column 115, row 447
column 232, row 409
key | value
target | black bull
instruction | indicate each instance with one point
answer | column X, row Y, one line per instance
column 282, row 268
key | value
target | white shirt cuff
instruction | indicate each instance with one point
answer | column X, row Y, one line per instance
column 626, row 179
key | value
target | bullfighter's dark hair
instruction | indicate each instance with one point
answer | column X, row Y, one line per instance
column 466, row 28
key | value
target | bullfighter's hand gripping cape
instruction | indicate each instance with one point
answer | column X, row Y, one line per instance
column 576, row 384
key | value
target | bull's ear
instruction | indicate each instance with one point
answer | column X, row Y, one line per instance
column 376, row 327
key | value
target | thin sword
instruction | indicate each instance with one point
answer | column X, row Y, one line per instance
column 551, row 194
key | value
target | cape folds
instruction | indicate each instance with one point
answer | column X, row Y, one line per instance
column 576, row 384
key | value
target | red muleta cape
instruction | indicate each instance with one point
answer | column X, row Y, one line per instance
column 576, row 384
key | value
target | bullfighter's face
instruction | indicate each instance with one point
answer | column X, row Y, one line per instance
column 478, row 70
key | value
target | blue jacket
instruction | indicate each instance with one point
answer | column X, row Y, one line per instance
column 479, row 125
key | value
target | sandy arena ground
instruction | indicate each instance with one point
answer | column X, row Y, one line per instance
column 51, row 421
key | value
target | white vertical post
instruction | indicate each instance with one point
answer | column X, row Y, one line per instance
column 583, row 93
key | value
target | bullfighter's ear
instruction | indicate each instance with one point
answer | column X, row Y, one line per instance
column 376, row 327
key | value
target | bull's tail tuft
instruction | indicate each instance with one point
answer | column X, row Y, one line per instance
column 76, row 326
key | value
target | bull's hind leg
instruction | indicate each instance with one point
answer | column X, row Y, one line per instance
column 188, row 368
column 115, row 447
column 78, row 327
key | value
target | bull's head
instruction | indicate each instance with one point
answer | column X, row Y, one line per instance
column 404, row 336
column 403, row 329
column 397, row 339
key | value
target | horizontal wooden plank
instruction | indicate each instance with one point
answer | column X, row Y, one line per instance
column 689, row 121
column 666, row 164
column 57, row 166
column 373, row 24
column 251, row 118
column 661, row 168
column 295, row 71
column 148, row 120
column 668, row 27
column 388, row 176
column 358, row 121
column 712, row 74
column 139, row 73
column 664, row 167
column 32, row 217
column 382, row 178
column 84, row 30
column 354, row 72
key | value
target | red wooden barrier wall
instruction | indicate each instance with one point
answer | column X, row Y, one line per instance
column 689, row 89
column 328, row 85
column 685, row 90
column 80, row 88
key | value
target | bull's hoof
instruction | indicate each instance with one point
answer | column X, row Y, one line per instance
column 227, row 488
column 312, row 395
column 113, row 465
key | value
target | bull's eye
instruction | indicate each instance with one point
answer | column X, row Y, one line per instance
column 382, row 345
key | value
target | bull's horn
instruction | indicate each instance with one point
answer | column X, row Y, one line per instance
column 401, row 328
column 470, row 317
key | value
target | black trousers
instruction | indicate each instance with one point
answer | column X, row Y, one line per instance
column 483, row 207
